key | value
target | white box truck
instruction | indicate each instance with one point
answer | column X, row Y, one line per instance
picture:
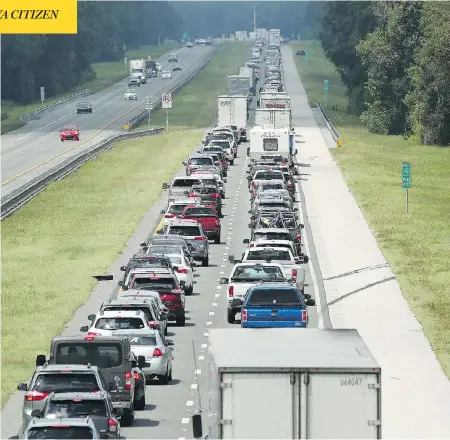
column 278, row 117
column 233, row 110
column 250, row 73
column 291, row 384
column 274, row 100
column 137, row 70
column 267, row 139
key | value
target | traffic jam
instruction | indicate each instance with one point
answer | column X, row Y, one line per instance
column 91, row 384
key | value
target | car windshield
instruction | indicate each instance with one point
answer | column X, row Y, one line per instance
column 280, row 297
column 148, row 262
column 75, row 408
column 175, row 260
column 272, row 236
column 66, row 382
column 165, row 248
column 184, row 183
column 153, row 283
column 200, row 161
column 119, row 323
column 142, row 340
column 268, row 254
column 177, row 209
column 246, row 273
column 94, row 352
column 200, row 212
column 166, row 72
column 268, row 175
column 83, row 104
column 271, row 186
column 145, row 309
column 209, row 181
column 272, row 203
column 186, row 231
column 56, row 433
column 70, row 127
column 221, row 144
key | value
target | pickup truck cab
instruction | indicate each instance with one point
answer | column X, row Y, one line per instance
column 290, row 265
column 207, row 216
column 195, row 162
column 176, row 207
column 245, row 275
column 275, row 305
column 209, row 179
column 180, row 185
column 263, row 175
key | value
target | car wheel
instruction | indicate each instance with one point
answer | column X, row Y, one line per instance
column 164, row 380
column 140, row 404
column 170, row 375
column 127, row 417
column 217, row 239
column 232, row 162
column 231, row 315
column 205, row 262
column 190, row 290
column 181, row 322
column 165, row 331
column 62, row 140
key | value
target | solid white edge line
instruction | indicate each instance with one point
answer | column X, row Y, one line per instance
column 311, row 267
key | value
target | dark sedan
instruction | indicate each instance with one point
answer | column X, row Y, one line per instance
column 84, row 107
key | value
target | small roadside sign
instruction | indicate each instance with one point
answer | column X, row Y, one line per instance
column 406, row 175
column 42, row 94
column 167, row 100
column 325, row 86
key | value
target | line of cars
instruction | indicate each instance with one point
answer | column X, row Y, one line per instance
column 91, row 384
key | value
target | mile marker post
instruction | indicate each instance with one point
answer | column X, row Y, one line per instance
column 406, row 181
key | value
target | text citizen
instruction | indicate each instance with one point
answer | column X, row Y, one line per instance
column 30, row 14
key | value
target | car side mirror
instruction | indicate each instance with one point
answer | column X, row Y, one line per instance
column 84, row 329
column 231, row 258
column 165, row 186
column 295, row 152
column 141, row 361
column 121, row 283
column 223, row 281
column 310, row 302
column 246, row 241
column 123, row 268
column 161, row 212
column 295, row 209
column 91, row 317
column 40, row 360
column 112, row 386
column 197, row 430
column 36, row 413
column 250, row 225
column 145, row 249
column 184, row 163
column 22, row 387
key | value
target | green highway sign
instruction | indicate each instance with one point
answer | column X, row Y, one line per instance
column 406, row 175
column 305, row 56
column 325, row 86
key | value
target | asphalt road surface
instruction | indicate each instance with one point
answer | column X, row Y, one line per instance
column 168, row 410
column 36, row 148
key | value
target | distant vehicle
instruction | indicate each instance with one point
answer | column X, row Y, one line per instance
column 300, row 52
column 173, row 58
column 189, row 44
column 84, row 107
column 130, row 94
column 166, row 75
column 70, row 132
column 134, row 82
column 177, row 67
column 158, row 67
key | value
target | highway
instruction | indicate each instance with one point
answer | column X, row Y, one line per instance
column 36, row 148
column 168, row 410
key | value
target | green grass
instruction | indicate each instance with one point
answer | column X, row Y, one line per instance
column 417, row 246
column 195, row 105
column 107, row 74
column 72, row 230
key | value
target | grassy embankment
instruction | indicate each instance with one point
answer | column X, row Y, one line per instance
column 77, row 226
column 417, row 246
column 108, row 73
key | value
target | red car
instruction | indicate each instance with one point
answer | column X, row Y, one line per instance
column 207, row 216
column 70, row 132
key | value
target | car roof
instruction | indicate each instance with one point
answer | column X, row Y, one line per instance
column 269, row 286
column 63, row 421
column 52, row 368
column 272, row 230
column 80, row 338
column 123, row 301
column 99, row 395
column 139, row 332
column 123, row 314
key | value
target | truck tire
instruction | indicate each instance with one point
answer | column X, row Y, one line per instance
column 205, row 262
column 127, row 417
column 232, row 162
column 140, row 404
column 217, row 239
column 181, row 322
column 231, row 317
column 164, row 380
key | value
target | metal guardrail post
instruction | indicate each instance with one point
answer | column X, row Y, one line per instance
column 336, row 137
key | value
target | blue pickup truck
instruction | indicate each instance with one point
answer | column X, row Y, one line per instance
column 274, row 305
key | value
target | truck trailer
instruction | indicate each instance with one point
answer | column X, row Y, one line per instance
column 278, row 117
column 274, row 100
column 137, row 70
column 233, row 110
column 250, row 73
column 239, row 85
column 291, row 384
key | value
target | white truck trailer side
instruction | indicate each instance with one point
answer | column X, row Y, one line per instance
column 137, row 69
column 250, row 73
column 233, row 110
column 291, row 384
column 274, row 100
column 278, row 117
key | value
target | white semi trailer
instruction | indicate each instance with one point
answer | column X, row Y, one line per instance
column 233, row 110
column 278, row 117
column 291, row 384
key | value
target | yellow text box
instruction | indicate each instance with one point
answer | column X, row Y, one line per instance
column 38, row 17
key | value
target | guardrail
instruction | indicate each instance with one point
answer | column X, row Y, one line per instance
column 35, row 115
column 157, row 104
column 329, row 125
column 17, row 198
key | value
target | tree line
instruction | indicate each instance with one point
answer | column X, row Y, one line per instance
column 61, row 62
column 394, row 58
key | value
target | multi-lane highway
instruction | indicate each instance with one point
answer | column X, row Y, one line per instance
column 36, row 148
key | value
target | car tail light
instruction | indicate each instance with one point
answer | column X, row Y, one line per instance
column 299, row 236
column 153, row 324
column 157, row 353
column 290, row 186
column 224, row 163
column 94, row 334
column 253, row 184
column 192, row 195
column 231, row 291
column 200, row 238
column 112, row 425
column 251, row 245
column 244, row 315
column 217, row 163
column 294, row 273
column 128, row 380
column 185, row 271
column 35, row 396
column 215, row 196
column 304, row 315
column 189, row 168
column 169, row 215
column 137, row 376
column 89, row 338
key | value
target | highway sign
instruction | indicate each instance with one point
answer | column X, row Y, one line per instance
column 42, row 94
column 325, row 86
column 167, row 100
column 305, row 56
column 406, row 175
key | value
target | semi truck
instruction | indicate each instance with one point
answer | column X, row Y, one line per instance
column 274, row 38
column 239, row 85
column 233, row 110
column 250, row 73
column 137, row 70
column 274, row 100
column 290, row 384
column 151, row 70
column 278, row 117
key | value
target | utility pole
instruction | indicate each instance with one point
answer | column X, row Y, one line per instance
column 254, row 19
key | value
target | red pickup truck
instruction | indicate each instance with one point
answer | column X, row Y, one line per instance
column 207, row 216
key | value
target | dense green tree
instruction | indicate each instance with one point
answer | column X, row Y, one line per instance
column 386, row 55
column 60, row 62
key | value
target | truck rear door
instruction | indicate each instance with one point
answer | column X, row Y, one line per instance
column 257, row 406
column 341, row 405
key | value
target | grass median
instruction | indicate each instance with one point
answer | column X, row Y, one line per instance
column 417, row 246
column 195, row 105
column 107, row 74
